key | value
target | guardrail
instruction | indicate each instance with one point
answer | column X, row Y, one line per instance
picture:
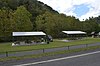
column 31, row 52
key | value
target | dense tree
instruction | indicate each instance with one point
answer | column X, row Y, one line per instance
column 6, row 22
column 90, row 25
column 22, row 19
column 53, row 24
column 72, row 23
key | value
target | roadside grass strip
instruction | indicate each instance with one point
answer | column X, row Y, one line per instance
column 48, row 54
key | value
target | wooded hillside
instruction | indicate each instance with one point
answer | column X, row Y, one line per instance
column 33, row 15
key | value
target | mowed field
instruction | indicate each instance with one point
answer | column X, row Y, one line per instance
column 8, row 46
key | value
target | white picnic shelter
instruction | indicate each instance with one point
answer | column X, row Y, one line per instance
column 27, row 41
column 28, row 34
column 74, row 34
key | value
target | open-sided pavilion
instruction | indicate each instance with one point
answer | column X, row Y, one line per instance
column 26, row 38
column 28, row 34
column 74, row 34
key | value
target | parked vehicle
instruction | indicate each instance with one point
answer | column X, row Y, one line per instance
column 50, row 38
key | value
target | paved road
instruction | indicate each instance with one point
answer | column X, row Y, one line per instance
column 88, row 59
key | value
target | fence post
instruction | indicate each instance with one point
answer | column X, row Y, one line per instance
column 6, row 54
column 43, row 50
column 68, row 47
column 86, row 45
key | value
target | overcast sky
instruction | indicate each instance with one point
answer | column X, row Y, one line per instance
column 81, row 9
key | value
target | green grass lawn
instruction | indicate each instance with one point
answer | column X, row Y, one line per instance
column 8, row 47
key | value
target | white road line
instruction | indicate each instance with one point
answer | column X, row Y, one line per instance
column 58, row 59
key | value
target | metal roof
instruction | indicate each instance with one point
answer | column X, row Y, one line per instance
column 74, row 32
column 28, row 33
